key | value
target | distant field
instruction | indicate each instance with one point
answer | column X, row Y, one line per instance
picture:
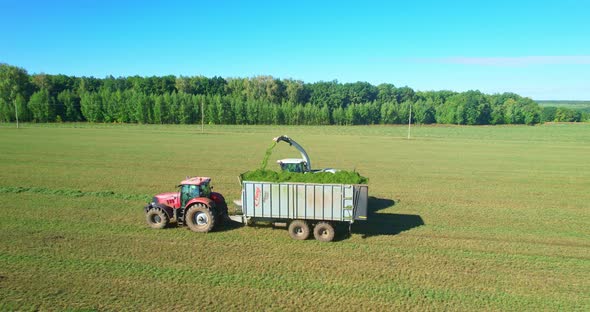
column 578, row 105
column 464, row 218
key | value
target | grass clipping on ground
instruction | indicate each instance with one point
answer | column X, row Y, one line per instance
column 340, row 177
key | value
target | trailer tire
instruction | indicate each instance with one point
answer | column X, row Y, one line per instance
column 156, row 218
column 324, row 232
column 299, row 230
column 199, row 218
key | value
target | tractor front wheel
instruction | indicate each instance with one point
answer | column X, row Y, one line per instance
column 156, row 218
column 199, row 218
column 299, row 230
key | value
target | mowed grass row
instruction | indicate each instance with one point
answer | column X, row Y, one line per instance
column 56, row 253
column 467, row 218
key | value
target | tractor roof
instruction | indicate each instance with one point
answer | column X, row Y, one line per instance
column 290, row 161
column 196, row 180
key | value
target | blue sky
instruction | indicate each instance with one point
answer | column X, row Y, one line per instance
column 539, row 49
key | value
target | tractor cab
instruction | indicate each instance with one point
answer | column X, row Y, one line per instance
column 193, row 188
column 293, row 165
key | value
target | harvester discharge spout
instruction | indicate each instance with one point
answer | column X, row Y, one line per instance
column 292, row 142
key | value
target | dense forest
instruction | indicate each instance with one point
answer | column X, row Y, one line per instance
column 257, row 100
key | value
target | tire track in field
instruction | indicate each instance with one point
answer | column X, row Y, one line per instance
column 70, row 192
column 501, row 240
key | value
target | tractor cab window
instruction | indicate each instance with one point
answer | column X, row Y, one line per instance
column 205, row 190
column 290, row 167
column 188, row 192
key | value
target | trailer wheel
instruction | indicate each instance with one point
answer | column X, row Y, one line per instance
column 324, row 232
column 199, row 218
column 156, row 218
column 299, row 229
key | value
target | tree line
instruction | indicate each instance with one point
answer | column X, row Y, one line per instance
column 257, row 100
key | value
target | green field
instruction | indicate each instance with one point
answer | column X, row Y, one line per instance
column 577, row 105
column 464, row 218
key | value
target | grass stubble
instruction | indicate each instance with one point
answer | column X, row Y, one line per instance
column 504, row 210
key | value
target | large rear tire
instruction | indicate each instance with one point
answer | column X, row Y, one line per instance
column 299, row 230
column 199, row 218
column 156, row 218
column 324, row 232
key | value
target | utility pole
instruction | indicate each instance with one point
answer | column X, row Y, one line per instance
column 410, row 122
column 16, row 113
column 202, row 118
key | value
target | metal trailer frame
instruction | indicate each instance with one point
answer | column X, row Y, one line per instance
column 311, row 202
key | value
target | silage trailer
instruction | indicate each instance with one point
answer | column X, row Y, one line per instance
column 304, row 207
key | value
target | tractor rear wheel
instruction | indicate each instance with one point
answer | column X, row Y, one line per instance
column 324, row 232
column 199, row 218
column 222, row 216
column 156, row 218
column 299, row 229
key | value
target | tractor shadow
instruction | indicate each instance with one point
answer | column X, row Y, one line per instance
column 385, row 223
column 228, row 225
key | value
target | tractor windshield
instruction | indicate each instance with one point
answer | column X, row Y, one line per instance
column 290, row 167
column 188, row 192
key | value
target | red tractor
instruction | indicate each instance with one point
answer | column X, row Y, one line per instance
column 195, row 205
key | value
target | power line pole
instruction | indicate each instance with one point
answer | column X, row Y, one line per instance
column 16, row 113
column 202, row 118
column 410, row 122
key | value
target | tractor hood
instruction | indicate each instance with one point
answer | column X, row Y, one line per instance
column 167, row 199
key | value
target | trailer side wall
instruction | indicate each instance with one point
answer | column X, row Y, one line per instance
column 333, row 202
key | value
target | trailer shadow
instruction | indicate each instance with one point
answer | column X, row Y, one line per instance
column 376, row 224
column 385, row 223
